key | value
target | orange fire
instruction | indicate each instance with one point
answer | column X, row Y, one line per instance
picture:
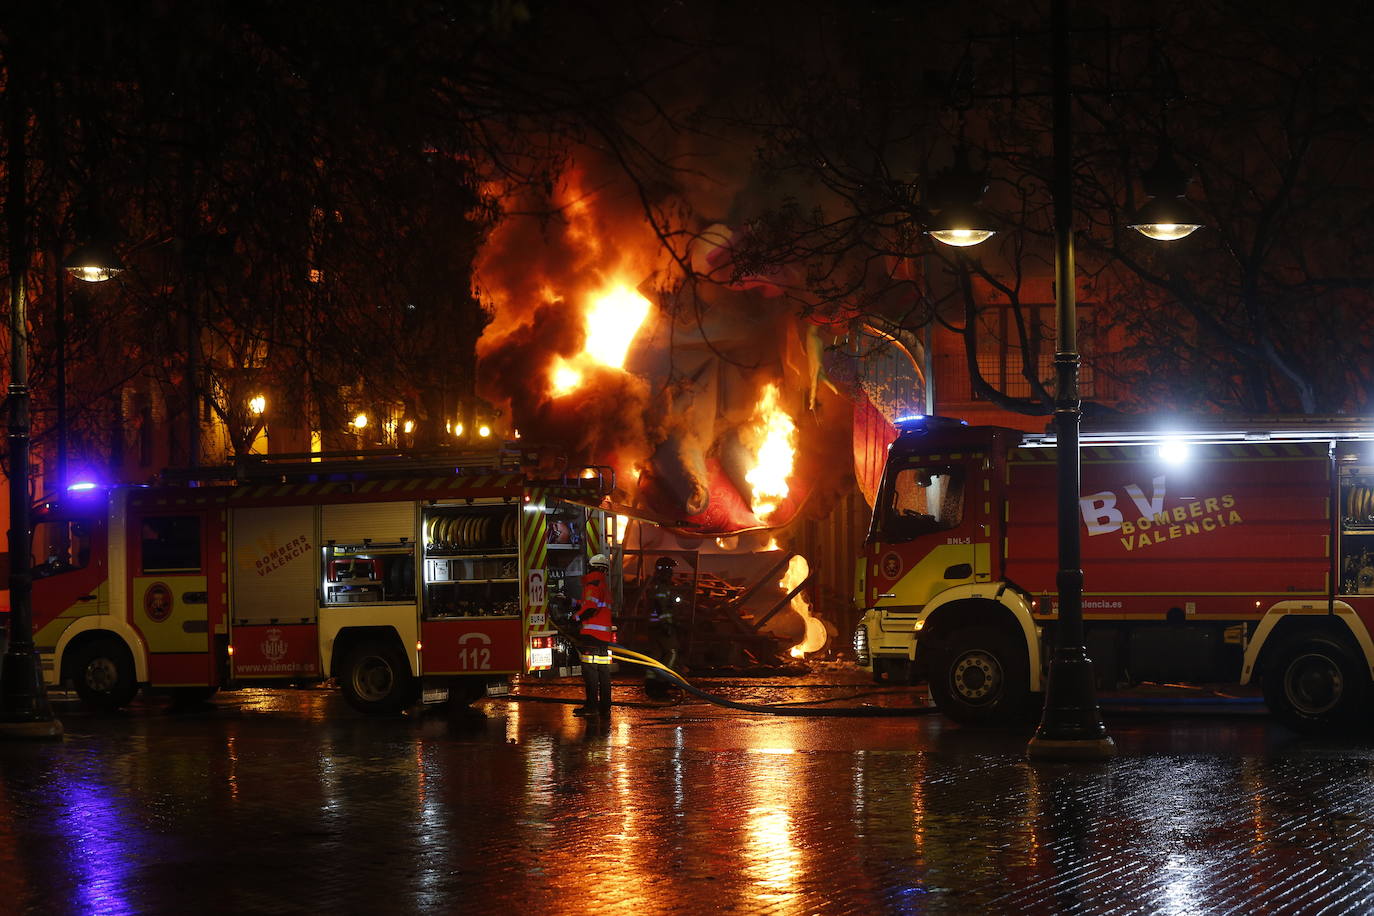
column 773, row 458
column 814, row 640
column 612, row 319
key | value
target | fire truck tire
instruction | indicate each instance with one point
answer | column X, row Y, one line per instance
column 981, row 678
column 103, row 672
column 376, row 678
column 1316, row 685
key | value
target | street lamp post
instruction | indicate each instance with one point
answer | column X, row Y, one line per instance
column 1071, row 726
column 24, row 708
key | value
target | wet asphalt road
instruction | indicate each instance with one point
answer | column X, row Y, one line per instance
column 288, row 802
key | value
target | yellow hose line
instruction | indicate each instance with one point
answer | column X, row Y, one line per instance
column 646, row 661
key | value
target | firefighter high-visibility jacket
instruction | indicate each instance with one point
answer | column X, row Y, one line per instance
column 595, row 609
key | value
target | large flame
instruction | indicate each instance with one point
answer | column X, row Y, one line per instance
column 563, row 377
column 612, row 318
column 776, row 452
column 814, row 640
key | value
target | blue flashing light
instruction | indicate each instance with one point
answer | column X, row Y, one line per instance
column 82, row 486
column 927, row 423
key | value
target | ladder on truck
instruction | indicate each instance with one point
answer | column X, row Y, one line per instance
column 307, row 467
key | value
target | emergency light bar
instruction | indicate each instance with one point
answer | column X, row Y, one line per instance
column 1278, row 429
column 927, row 423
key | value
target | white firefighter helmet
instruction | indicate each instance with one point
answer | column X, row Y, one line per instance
column 600, row 561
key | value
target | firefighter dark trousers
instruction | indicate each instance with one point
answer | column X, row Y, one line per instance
column 596, row 674
column 662, row 647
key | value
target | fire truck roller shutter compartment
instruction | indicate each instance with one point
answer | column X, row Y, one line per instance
column 378, row 522
column 274, row 568
column 274, row 564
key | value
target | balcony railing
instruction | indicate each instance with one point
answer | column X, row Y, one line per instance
column 953, row 385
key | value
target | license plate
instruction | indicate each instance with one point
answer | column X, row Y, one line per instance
column 499, row 689
column 434, row 695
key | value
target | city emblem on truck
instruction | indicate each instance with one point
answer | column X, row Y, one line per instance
column 891, row 565
column 157, row 602
column 273, row 646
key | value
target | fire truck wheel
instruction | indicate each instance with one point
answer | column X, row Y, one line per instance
column 376, row 678
column 981, row 678
column 103, row 672
column 1315, row 685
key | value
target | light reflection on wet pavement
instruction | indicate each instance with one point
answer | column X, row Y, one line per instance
column 288, row 802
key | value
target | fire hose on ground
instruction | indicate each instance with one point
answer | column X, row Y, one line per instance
column 623, row 654
column 620, row 653
column 635, row 658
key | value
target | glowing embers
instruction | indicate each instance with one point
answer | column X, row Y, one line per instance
column 612, row 319
column 776, row 435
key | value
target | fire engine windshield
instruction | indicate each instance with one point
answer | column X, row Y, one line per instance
column 922, row 500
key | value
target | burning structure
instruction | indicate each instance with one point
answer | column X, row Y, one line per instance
column 701, row 388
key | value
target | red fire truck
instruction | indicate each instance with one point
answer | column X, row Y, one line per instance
column 403, row 579
column 1211, row 555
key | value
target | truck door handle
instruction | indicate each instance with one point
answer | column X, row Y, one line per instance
column 86, row 598
column 195, row 597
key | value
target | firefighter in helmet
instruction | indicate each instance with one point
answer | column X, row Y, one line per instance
column 665, row 603
column 594, row 613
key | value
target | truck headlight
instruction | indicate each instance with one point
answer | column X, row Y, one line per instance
column 861, row 646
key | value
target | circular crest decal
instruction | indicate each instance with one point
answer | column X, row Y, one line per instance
column 157, row 602
column 891, row 565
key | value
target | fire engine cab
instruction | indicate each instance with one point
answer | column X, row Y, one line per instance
column 404, row 579
column 1219, row 554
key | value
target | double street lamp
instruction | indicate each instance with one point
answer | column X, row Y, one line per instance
column 1071, row 726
